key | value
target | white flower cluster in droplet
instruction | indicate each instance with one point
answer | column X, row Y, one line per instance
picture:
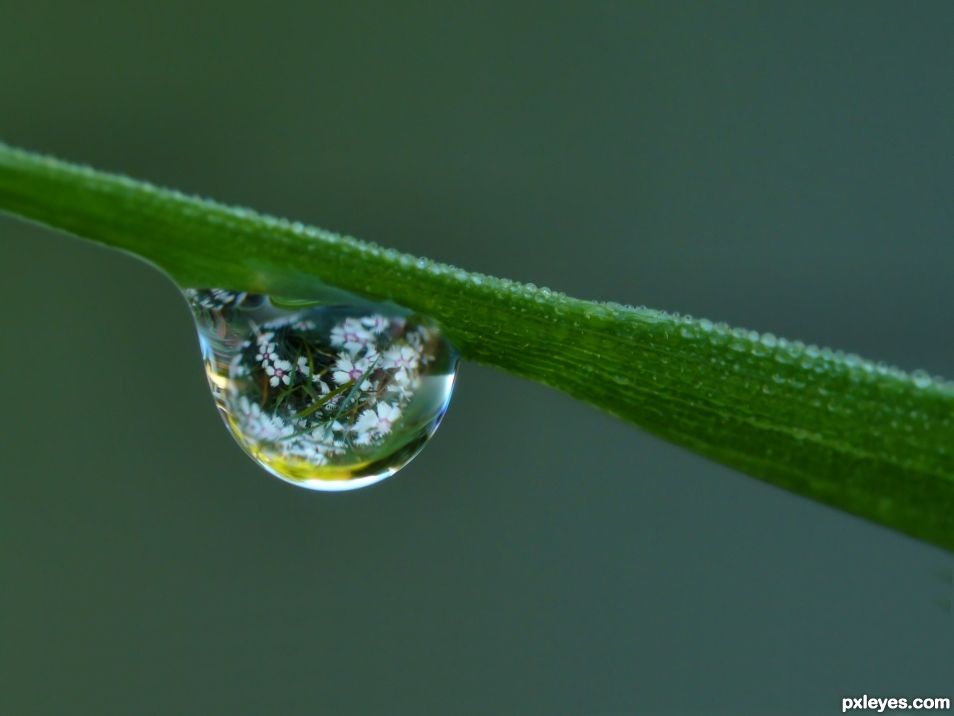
column 373, row 374
column 258, row 425
column 213, row 299
column 277, row 368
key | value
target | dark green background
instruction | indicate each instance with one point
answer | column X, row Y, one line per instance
column 783, row 166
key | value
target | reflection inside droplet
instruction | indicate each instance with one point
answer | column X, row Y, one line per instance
column 326, row 396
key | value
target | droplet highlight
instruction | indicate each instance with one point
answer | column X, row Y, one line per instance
column 326, row 396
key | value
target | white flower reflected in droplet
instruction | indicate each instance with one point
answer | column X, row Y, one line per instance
column 279, row 372
column 349, row 369
column 374, row 424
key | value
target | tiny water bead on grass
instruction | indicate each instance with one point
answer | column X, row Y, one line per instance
column 328, row 396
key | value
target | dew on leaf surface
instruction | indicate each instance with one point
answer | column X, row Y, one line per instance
column 325, row 396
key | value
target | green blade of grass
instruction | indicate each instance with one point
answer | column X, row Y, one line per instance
column 868, row 439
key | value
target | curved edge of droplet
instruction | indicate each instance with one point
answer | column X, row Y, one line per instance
column 318, row 485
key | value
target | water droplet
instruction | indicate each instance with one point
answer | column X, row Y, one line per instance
column 921, row 379
column 328, row 396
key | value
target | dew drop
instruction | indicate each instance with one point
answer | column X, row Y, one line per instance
column 327, row 396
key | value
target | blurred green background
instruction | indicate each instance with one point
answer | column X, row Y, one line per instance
column 782, row 166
